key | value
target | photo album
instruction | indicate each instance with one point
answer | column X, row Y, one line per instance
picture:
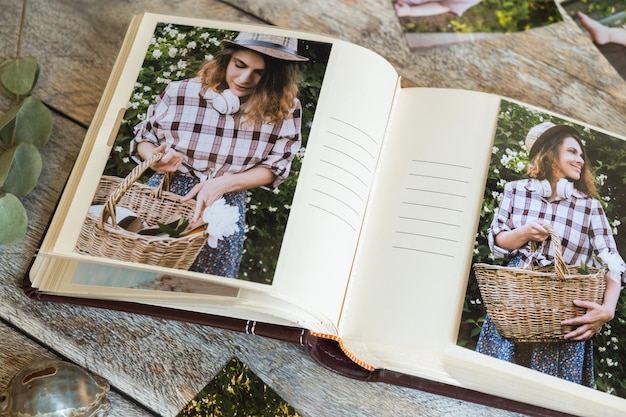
column 283, row 184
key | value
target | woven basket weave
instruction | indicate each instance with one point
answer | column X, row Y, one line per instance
column 100, row 235
column 528, row 305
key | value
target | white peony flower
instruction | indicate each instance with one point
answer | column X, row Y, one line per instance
column 221, row 220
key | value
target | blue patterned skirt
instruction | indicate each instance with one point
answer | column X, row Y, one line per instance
column 572, row 361
column 225, row 259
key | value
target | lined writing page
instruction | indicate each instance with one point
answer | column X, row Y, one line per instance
column 420, row 228
column 433, row 201
column 343, row 178
column 335, row 181
column 341, row 154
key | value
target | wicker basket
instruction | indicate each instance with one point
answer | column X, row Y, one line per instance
column 99, row 237
column 528, row 305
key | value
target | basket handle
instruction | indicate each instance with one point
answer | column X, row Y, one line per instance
column 559, row 264
column 109, row 206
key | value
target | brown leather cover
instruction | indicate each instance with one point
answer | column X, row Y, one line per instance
column 324, row 351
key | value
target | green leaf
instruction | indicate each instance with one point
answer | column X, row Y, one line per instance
column 33, row 120
column 174, row 229
column 7, row 123
column 13, row 219
column 20, row 167
column 583, row 269
column 19, row 76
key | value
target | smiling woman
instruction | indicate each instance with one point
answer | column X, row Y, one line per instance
column 560, row 193
column 233, row 127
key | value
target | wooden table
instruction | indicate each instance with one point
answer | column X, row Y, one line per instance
column 157, row 366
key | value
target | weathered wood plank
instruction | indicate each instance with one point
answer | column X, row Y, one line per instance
column 18, row 351
column 76, row 43
column 163, row 364
column 555, row 67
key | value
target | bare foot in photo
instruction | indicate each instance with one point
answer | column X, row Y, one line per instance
column 602, row 34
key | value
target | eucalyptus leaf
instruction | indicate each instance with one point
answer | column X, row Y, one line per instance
column 19, row 76
column 28, row 122
column 13, row 219
column 24, row 167
column 7, row 123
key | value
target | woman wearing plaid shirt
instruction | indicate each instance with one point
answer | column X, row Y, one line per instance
column 234, row 127
column 558, row 193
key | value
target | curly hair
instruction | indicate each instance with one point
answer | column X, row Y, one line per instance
column 545, row 165
column 274, row 97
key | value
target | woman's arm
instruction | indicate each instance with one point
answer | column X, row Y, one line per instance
column 516, row 238
column 209, row 191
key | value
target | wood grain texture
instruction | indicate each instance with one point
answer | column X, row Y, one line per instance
column 162, row 364
column 556, row 67
column 18, row 351
column 76, row 43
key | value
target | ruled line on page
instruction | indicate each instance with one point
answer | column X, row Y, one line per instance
column 347, row 164
column 433, row 202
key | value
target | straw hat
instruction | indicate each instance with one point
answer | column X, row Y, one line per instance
column 538, row 136
column 279, row 47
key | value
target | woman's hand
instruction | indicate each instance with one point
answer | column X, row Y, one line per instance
column 535, row 231
column 211, row 190
column 591, row 322
column 170, row 162
column 206, row 193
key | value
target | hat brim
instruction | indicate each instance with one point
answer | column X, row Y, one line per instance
column 550, row 134
column 273, row 52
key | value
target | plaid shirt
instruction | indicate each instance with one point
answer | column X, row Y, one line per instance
column 579, row 220
column 214, row 144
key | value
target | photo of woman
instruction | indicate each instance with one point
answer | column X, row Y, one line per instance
column 552, row 181
column 558, row 192
column 217, row 152
column 230, row 114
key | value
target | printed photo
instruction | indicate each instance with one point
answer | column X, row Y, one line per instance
column 548, row 268
column 206, row 160
column 431, row 24
column 605, row 23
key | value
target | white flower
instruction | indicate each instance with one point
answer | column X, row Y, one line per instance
column 221, row 220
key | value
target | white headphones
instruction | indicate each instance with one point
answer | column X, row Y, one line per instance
column 564, row 188
column 224, row 103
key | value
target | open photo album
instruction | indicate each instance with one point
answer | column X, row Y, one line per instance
column 282, row 183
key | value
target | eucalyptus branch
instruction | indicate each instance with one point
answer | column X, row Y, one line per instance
column 21, row 30
column 24, row 130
